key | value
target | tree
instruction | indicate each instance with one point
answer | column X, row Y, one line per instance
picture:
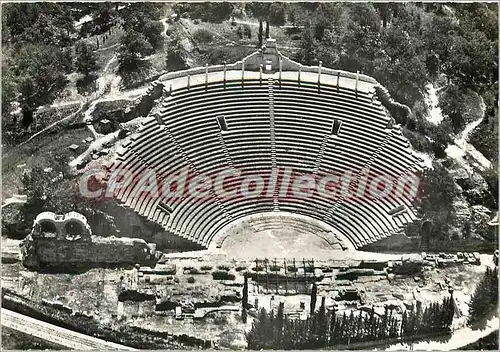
column 267, row 29
column 39, row 23
column 9, row 86
column 39, row 77
column 314, row 297
column 136, row 15
column 322, row 326
column 245, row 292
column 43, row 191
column 257, row 336
column 437, row 190
column 153, row 31
column 244, row 315
column 133, row 48
column 260, row 34
column 277, row 14
column 308, row 46
column 452, row 105
column 210, row 11
column 485, row 296
column 85, row 59
column 104, row 15
column 474, row 62
column 259, row 10
column 280, row 319
column 176, row 54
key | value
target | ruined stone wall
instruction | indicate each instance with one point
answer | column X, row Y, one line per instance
column 146, row 102
column 52, row 252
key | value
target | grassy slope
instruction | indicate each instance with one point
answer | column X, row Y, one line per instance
column 39, row 152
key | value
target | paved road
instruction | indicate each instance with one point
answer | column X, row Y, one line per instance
column 55, row 334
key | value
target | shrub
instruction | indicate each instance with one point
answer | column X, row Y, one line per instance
column 206, row 267
column 197, row 21
column 222, row 275
column 191, row 280
column 239, row 31
column 277, row 15
column 247, row 31
column 223, row 267
column 241, row 268
column 203, row 35
column 217, row 56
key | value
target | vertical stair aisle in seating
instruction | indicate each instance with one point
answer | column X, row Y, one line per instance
column 352, row 186
column 274, row 173
column 321, row 153
column 225, row 151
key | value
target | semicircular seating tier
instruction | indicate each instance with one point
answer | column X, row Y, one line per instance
column 263, row 116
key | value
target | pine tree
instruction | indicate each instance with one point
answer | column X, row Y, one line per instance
column 404, row 324
column 485, row 296
column 322, row 325
column 383, row 327
column 256, row 337
column 331, row 333
column 409, row 325
column 451, row 311
column 351, row 327
column 359, row 327
column 245, row 292
column 314, row 297
column 393, row 329
column 267, row 29
column 271, row 331
column 279, row 326
column 259, row 35
column 244, row 316
column 343, row 329
column 372, row 325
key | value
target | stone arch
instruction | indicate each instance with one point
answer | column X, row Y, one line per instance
column 73, row 229
column 75, row 226
column 426, row 232
column 47, row 226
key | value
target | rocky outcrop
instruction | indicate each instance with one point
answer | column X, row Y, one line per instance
column 463, row 213
column 480, row 219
